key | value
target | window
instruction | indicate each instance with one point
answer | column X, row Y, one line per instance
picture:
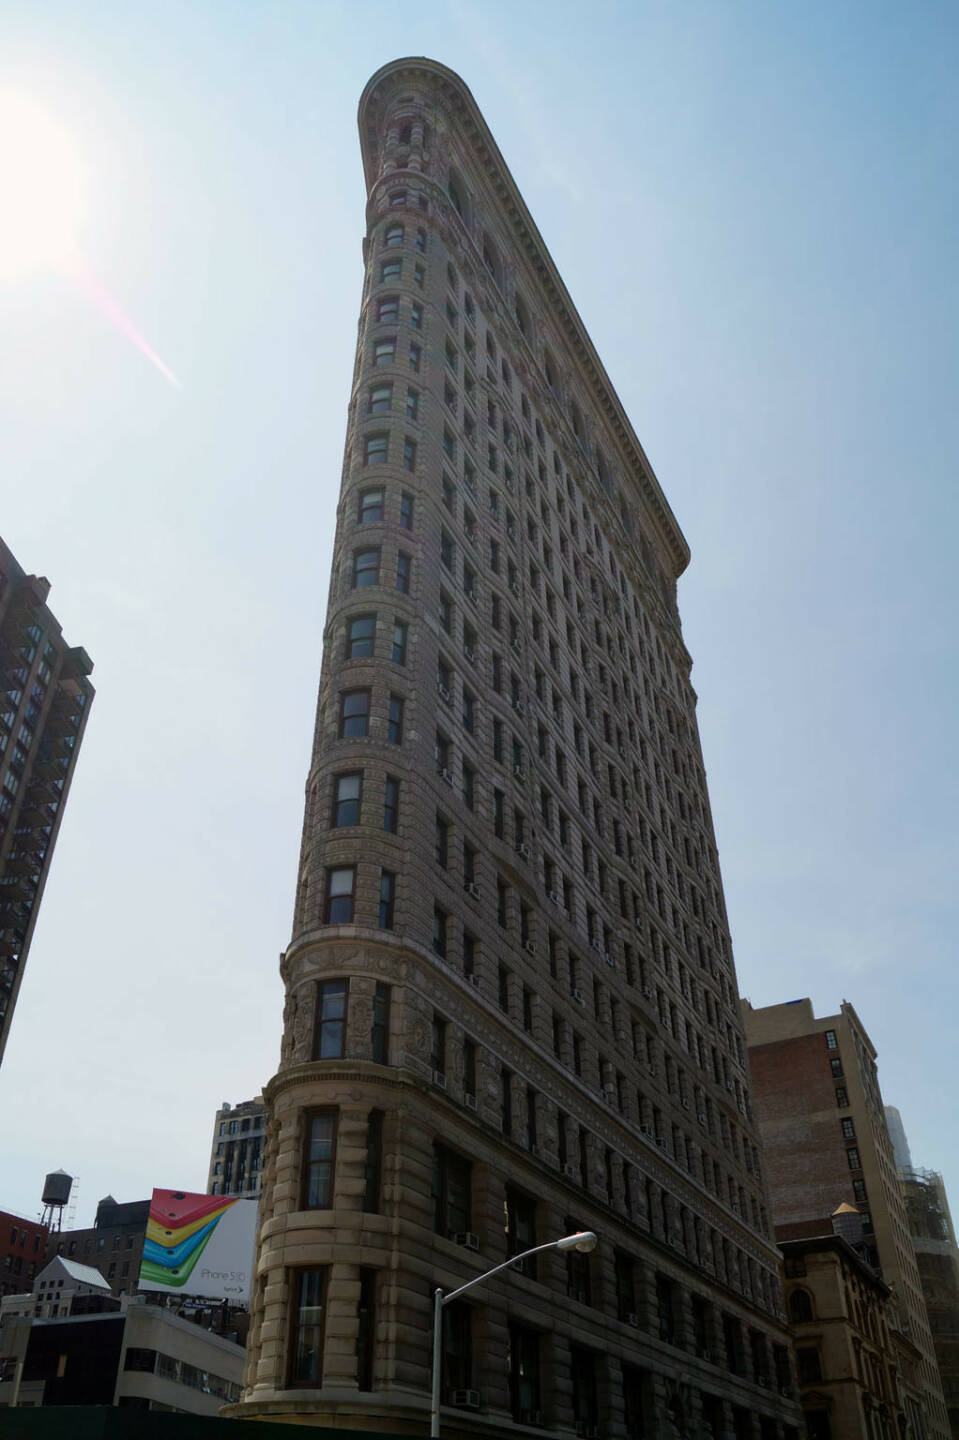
column 416, row 323
column 340, row 887
column 583, row 1375
column 306, row 1328
column 406, row 510
column 859, row 1191
column 457, row 1348
column 394, row 235
column 346, row 799
column 848, row 1130
column 390, row 271
column 506, row 1101
column 388, row 308
column 370, row 510
column 380, row 399
column 831, row 1041
column 387, row 899
column 625, row 1284
column 523, row 1370
column 318, row 1160
column 384, row 351
column 366, row 568
column 415, row 354
column 469, row 786
column 852, row 1156
column 400, row 629
column 394, row 728
column 836, row 1067
column 391, row 804
column 354, row 714
column 440, row 927
column 421, row 240
column 360, row 635
column 520, row 1225
column 404, row 566
column 452, row 1187
column 842, row 1097
column 800, row 1307
column 409, row 453
column 441, row 841
column 380, row 1029
column 330, row 1036
column 666, row 1308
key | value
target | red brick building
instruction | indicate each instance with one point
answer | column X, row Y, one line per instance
column 22, row 1249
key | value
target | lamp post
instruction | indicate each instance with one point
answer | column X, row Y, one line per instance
column 583, row 1240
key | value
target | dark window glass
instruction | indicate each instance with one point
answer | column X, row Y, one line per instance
column 400, row 629
column 387, row 899
column 319, row 1160
column 457, row 1348
column 366, row 568
column 374, row 1163
column 340, row 887
column 306, row 1330
column 391, row 804
column 523, row 1369
column 360, row 637
column 380, row 1033
column 371, row 501
column 346, row 799
column 354, row 714
column 520, row 1226
column 394, row 731
column 330, row 1019
column 583, row 1375
column 452, row 1185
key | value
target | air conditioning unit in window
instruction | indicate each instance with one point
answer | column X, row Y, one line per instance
column 466, row 1399
column 466, row 1238
column 518, row 706
column 469, row 1101
column 474, row 981
column 439, row 1079
column 535, row 1151
column 468, row 649
column 556, row 897
column 444, row 693
column 647, row 1130
column 472, row 889
column 569, row 1171
column 529, row 947
column 685, row 1104
column 587, row 1432
column 764, row 1382
column 648, row 992
column 530, row 1417
column 609, row 959
column 524, row 850
column 633, row 1320
column 445, row 774
column 577, row 995
column 519, row 772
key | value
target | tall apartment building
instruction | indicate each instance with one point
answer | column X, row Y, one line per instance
column 511, row 1007
column 937, row 1256
column 45, row 698
column 820, row 1112
column 236, row 1155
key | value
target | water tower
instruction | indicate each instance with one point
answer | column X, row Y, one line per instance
column 56, row 1193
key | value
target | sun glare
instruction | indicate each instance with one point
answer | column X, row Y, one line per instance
column 42, row 184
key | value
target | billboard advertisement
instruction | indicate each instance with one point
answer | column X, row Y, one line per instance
column 199, row 1245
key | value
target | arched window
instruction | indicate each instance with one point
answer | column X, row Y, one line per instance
column 800, row 1307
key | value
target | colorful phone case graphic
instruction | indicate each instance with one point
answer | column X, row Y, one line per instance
column 199, row 1245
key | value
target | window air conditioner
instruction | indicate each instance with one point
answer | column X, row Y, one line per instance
column 466, row 1238
column 439, row 1079
column 466, row 1399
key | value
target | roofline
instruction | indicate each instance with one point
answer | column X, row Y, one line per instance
column 832, row 1241
column 564, row 312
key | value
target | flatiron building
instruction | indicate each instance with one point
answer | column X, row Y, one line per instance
column 511, row 1007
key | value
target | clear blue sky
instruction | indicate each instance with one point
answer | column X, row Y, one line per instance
column 754, row 208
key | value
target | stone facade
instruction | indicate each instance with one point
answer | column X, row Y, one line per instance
column 824, row 1134
column 236, row 1154
column 511, row 1004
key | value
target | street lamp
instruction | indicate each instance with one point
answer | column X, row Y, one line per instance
column 583, row 1240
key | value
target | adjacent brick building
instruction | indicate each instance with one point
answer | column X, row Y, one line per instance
column 511, row 1006
column 22, row 1252
column 820, row 1113
column 113, row 1244
column 45, row 699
